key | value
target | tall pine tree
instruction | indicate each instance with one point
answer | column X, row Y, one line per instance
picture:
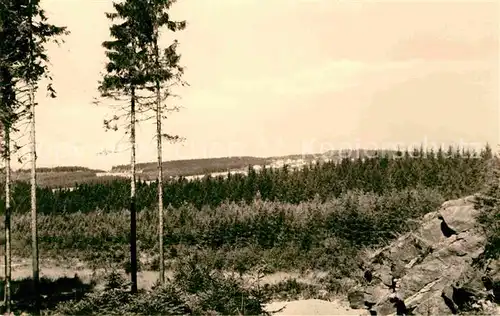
column 7, row 119
column 26, row 33
column 126, row 75
column 166, row 73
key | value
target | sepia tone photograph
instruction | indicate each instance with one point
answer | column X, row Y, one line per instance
column 245, row 157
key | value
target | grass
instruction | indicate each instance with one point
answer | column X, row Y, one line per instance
column 194, row 289
column 53, row 291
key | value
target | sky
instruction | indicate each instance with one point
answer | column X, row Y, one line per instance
column 286, row 77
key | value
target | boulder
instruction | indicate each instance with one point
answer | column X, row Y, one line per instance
column 431, row 270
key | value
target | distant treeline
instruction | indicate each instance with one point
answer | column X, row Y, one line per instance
column 59, row 169
column 453, row 172
column 196, row 166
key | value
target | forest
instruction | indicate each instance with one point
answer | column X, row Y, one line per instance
column 175, row 246
column 452, row 171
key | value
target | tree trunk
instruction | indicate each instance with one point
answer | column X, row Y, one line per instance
column 133, row 215
column 160, row 184
column 160, row 164
column 7, row 222
column 34, row 231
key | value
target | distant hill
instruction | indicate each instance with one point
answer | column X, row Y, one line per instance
column 208, row 165
column 197, row 166
column 339, row 154
column 67, row 176
column 60, row 169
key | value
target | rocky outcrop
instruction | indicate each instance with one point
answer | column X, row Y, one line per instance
column 432, row 270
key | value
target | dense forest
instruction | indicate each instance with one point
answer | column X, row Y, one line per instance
column 453, row 172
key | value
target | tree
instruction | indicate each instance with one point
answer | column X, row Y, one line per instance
column 30, row 32
column 7, row 99
column 8, row 54
column 160, row 71
column 165, row 70
column 125, row 76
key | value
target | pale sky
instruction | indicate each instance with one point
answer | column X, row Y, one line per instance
column 288, row 76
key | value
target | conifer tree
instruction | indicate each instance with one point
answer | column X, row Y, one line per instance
column 166, row 73
column 7, row 103
column 125, row 77
column 9, row 56
column 25, row 32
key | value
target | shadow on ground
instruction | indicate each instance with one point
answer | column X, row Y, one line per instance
column 53, row 292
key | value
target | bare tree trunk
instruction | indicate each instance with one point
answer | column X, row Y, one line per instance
column 133, row 215
column 160, row 183
column 34, row 231
column 7, row 222
column 160, row 164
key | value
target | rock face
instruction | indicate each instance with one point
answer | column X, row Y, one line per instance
column 430, row 271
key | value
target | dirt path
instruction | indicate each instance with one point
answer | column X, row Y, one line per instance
column 21, row 268
column 313, row 307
